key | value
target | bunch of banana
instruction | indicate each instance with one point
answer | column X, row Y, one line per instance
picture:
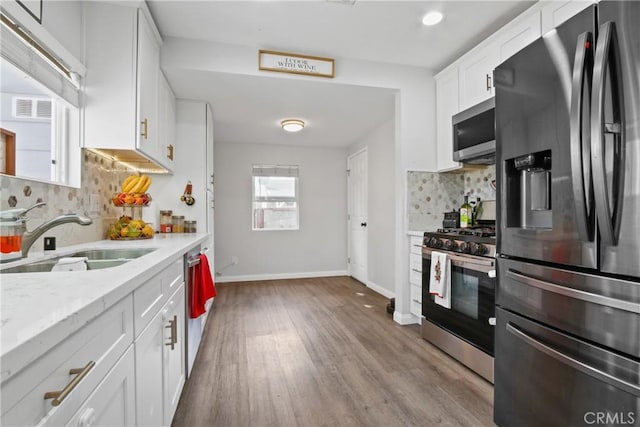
column 136, row 184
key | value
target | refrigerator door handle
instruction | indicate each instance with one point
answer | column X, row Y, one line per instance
column 608, row 206
column 590, row 297
column 572, row 362
column 579, row 148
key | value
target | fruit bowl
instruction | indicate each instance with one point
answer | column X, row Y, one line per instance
column 130, row 229
column 131, row 199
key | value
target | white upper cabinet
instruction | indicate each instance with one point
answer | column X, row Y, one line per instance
column 123, row 83
column 166, row 122
column 446, row 106
column 555, row 13
column 516, row 35
column 476, row 75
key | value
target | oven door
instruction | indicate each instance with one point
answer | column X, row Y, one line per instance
column 472, row 299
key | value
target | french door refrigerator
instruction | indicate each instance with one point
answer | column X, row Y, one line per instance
column 568, row 160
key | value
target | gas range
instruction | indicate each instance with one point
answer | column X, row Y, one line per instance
column 480, row 241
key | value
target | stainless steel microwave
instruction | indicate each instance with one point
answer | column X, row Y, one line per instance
column 474, row 134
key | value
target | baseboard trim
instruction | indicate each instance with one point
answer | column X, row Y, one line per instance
column 279, row 276
column 405, row 318
column 379, row 289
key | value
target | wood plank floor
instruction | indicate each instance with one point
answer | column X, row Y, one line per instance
column 322, row 352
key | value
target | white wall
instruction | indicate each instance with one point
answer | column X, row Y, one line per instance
column 318, row 248
column 381, row 210
column 415, row 121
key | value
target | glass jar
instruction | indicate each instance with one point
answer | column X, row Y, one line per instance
column 190, row 226
column 165, row 221
column 178, row 223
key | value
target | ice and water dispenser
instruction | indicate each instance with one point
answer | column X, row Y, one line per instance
column 529, row 190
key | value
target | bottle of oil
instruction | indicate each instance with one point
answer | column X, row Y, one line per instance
column 466, row 213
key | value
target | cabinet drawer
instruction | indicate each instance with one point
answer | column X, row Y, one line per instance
column 102, row 341
column 415, row 262
column 416, row 245
column 148, row 298
column 416, row 301
column 415, row 277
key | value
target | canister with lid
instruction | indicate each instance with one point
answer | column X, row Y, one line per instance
column 190, row 226
column 178, row 223
column 165, row 221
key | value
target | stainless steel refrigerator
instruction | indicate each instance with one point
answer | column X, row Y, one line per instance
column 568, row 160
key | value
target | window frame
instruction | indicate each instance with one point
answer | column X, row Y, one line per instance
column 278, row 174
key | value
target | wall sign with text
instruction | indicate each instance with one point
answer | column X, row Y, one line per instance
column 296, row 64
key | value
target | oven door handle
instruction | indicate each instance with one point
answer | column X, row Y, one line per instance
column 478, row 264
column 572, row 362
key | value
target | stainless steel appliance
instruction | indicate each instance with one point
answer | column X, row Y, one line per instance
column 568, row 298
column 194, row 327
column 474, row 140
column 464, row 331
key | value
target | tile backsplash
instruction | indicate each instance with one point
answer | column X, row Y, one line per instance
column 430, row 194
column 101, row 177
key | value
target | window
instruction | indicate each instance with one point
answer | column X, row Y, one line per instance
column 275, row 197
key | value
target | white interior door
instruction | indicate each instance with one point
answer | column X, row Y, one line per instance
column 357, row 164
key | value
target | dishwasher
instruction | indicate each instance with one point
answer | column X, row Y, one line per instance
column 194, row 327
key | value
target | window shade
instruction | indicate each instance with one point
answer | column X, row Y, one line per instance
column 25, row 57
column 275, row 170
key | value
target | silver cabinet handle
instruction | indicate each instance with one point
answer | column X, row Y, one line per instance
column 574, row 363
column 417, row 302
column 173, row 326
column 416, row 270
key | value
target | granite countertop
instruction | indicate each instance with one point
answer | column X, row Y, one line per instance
column 39, row 310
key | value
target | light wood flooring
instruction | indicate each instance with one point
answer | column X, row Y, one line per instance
column 322, row 352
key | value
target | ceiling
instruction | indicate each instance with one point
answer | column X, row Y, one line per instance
column 249, row 108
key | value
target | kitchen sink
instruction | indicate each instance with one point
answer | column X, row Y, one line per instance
column 96, row 259
column 44, row 266
column 112, row 254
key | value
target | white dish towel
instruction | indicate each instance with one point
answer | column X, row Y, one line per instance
column 440, row 279
column 71, row 264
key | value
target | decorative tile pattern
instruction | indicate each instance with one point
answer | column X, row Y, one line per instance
column 100, row 176
column 430, row 194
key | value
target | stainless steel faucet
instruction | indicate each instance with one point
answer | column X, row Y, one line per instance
column 18, row 216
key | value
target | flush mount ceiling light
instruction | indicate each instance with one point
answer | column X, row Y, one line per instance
column 432, row 18
column 292, row 125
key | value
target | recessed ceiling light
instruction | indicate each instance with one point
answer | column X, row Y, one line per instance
column 432, row 18
column 292, row 125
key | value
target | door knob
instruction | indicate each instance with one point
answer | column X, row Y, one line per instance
column 363, row 224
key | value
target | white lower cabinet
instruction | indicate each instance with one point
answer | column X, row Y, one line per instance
column 112, row 403
column 51, row 390
column 160, row 363
column 415, row 276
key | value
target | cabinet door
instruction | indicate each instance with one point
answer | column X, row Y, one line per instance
column 149, row 367
column 517, row 35
column 555, row 13
column 148, row 72
column 476, row 75
column 175, row 364
column 112, row 403
column 446, row 106
column 166, row 122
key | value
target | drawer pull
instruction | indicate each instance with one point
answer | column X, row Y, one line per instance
column 417, row 302
column 59, row 396
column 173, row 326
column 416, row 270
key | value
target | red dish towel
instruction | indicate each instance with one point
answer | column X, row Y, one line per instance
column 203, row 287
